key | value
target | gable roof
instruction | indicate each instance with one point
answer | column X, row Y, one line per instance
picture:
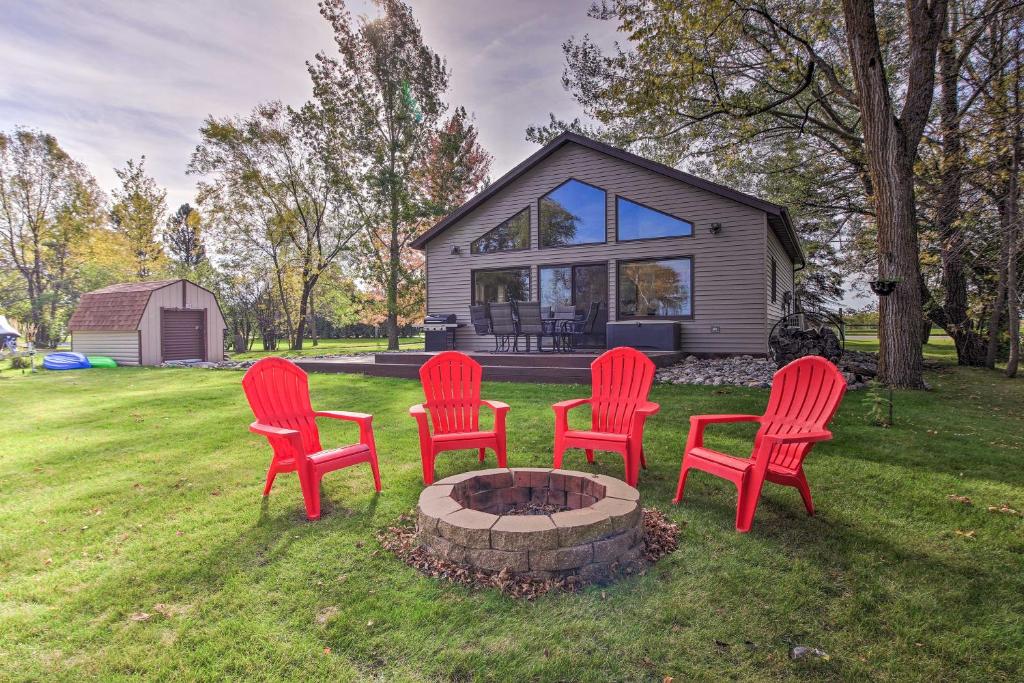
column 117, row 307
column 778, row 216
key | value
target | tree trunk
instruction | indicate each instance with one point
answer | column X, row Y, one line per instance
column 995, row 321
column 394, row 257
column 970, row 347
column 891, row 148
column 1013, row 239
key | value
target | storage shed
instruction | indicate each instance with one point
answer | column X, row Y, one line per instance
column 147, row 323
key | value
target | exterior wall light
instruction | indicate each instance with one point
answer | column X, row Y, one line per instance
column 456, row 250
column 715, row 228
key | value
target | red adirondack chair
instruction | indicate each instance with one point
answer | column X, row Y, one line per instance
column 621, row 380
column 278, row 393
column 805, row 395
column 451, row 385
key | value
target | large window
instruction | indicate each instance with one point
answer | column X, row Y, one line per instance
column 576, row 285
column 499, row 286
column 511, row 235
column 638, row 222
column 572, row 213
column 661, row 288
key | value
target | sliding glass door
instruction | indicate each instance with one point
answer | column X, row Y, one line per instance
column 580, row 286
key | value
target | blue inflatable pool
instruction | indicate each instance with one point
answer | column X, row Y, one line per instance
column 66, row 360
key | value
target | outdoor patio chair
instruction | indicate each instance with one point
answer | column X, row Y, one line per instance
column 531, row 324
column 451, row 385
column 575, row 329
column 621, row 381
column 805, row 395
column 480, row 317
column 503, row 327
column 278, row 393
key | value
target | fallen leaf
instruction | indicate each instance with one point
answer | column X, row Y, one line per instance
column 140, row 616
column 326, row 614
column 667, row 679
column 802, row 651
column 1004, row 509
column 369, row 624
column 966, row 534
column 960, row 499
column 327, row 650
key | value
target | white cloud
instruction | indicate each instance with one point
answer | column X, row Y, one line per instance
column 113, row 79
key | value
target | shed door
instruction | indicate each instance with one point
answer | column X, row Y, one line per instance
column 182, row 334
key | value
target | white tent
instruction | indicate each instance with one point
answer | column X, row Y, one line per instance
column 6, row 329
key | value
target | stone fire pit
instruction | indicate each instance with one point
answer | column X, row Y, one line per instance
column 596, row 532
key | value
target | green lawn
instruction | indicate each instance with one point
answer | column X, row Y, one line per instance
column 332, row 346
column 137, row 492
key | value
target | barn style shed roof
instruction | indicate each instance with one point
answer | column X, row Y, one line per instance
column 117, row 307
column 778, row 216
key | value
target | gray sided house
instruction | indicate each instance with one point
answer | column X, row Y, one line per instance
column 581, row 222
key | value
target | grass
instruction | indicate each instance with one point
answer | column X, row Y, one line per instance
column 137, row 491
column 334, row 346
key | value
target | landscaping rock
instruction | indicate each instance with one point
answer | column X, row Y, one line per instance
column 858, row 368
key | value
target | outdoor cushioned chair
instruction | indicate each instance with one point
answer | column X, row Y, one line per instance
column 621, row 380
column 480, row 316
column 451, row 385
column 805, row 395
column 503, row 327
column 530, row 324
column 572, row 330
column 278, row 393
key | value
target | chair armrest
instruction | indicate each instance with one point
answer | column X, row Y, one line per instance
column 496, row 406
column 648, row 408
column 364, row 420
column 562, row 409
column 272, row 431
column 565, row 406
column 289, row 436
column 716, row 419
column 695, row 439
column 344, row 415
column 800, row 437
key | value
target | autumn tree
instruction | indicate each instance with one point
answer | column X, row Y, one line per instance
column 276, row 185
column 381, row 93
column 183, row 238
column 733, row 78
column 138, row 210
column 48, row 203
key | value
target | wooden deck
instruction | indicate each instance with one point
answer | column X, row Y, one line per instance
column 562, row 368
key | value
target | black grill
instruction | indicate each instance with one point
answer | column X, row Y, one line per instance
column 439, row 330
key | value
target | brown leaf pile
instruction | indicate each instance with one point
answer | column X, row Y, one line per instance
column 660, row 538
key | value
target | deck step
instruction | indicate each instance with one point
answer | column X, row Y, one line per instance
column 577, row 360
column 495, row 373
column 520, row 360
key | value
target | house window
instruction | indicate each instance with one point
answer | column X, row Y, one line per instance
column 656, row 288
column 638, row 222
column 499, row 286
column 512, row 235
column 775, row 280
column 572, row 213
column 579, row 286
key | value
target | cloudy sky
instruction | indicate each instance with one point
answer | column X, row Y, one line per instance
column 116, row 79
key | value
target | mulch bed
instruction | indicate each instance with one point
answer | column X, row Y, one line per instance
column 661, row 536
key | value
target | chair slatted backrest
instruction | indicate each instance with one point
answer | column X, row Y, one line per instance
column 451, row 386
column 529, row 317
column 481, row 319
column 502, row 321
column 278, row 393
column 622, row 379
column 805, row 395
